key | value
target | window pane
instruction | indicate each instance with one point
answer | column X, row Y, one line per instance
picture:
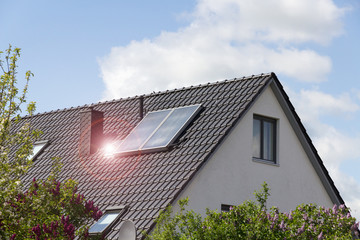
column 268, row 140
column 142, row 131
column 103, row 222
column 256, row 138
column 37, row 148
column 172, row 125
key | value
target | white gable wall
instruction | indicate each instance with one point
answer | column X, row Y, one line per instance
column 230, row 176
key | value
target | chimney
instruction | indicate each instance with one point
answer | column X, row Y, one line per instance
column 91, row 131
column 141, row 107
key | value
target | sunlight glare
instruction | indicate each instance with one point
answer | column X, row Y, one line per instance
column 109, row 149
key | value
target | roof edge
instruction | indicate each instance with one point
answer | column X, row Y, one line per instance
column 305, row 140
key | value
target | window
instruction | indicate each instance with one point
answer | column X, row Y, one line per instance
column 110, row 217
column 158, row 129
column 226, row 207
column 264, row 138
column 38, row 148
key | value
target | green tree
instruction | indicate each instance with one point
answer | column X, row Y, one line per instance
column 251, row 220
column 48, row 209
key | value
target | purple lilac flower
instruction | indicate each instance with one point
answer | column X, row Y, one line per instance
column 98, row 215
column 327, row 211
column 69, row 230
column 282, row 225
column 89, row 206
column 56, row 191
column 37, row 230
column 272, row 225
column 46, row 229
column 355, row 227
column 320, row 237
column 35, row 183
column 276, row 217
column 334, row 209
column 301, row 230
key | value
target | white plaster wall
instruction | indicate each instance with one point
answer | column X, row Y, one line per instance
column 230, row 176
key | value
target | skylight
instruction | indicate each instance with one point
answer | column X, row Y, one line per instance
column 158, row 129
column 38, row 148
column 110, row 217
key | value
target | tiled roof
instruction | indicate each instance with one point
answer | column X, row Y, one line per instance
column 149, row 182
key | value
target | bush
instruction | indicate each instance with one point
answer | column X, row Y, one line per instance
column 252, row 220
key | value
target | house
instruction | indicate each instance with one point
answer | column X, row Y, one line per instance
column 215, row 143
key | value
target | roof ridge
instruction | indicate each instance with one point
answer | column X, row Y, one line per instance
column 151, row 94
column 209, row 84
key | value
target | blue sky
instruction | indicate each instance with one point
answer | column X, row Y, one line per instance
column 83, row 52
column 62, row 41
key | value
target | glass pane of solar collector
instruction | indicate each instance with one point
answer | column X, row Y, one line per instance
column 171, row 127
column 158, row 129
column 143, row 131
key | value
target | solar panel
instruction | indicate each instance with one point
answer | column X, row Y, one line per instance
column 143, row 131
column 171, row 127
column 159, row 129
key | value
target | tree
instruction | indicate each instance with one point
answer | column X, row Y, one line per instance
column 251, row 220
column 48, row 209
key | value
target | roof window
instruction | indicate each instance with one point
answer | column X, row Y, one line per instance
column 38, row 148
column 110, row 217
column 157, row 130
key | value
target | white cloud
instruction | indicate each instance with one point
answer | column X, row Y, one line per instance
column 357, row 93
column 313, row 103
column 350, row 191
column 227, row 39
column 334, row 146
column 274, row 20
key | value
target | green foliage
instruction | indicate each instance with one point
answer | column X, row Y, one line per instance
column 250, row 220
column 10, row 109
column 48, row 209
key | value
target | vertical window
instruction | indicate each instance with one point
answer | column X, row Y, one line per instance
column 264, row 138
